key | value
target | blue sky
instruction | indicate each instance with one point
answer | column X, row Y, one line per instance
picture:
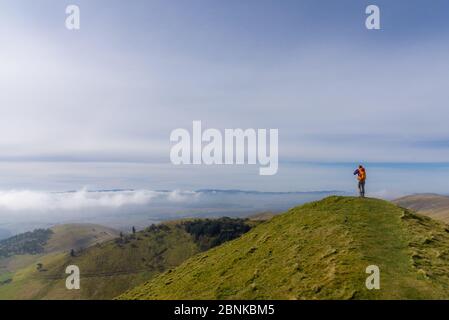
column 95, row 108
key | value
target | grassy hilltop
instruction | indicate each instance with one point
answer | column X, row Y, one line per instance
column 318, row 251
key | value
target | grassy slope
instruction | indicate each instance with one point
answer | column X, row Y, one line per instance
column 432, row 205
column 107, row 269
column 21, row 268
column 64, row 238
column 77, row 236
column 318, row 251
column 110, row 268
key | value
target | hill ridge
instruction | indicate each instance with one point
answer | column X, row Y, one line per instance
column 433, row 205
column 111, row 267
column 318, row 251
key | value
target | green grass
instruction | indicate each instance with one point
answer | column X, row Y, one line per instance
column 318, row 251
column 107, row 269
column 22, row 268
column 112, row 267
column 63, row 239
column 76, row 236
column 5, row 276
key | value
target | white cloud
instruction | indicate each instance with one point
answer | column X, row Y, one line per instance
column 39, row 201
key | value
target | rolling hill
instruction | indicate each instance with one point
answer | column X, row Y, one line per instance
column 433, row 205
column 77, row 236
column 318, row 251
column 27, row 247
column 109, row 268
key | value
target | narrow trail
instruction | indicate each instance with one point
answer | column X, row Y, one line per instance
column 95, row 274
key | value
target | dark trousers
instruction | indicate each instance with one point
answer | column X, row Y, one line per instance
column 362, row 188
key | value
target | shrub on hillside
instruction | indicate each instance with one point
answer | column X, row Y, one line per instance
column 213, row 232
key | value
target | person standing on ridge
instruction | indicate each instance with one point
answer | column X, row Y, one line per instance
column 361, row 176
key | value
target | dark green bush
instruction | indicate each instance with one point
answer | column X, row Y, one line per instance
column 213, row 232
column 26, row 243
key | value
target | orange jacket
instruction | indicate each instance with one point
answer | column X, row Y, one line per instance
column 362, row 174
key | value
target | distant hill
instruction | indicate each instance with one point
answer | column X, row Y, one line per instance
column 4, row 233
column 263, row 216
column 77, row 236
column 28, row 249
column 433, row 205
column 56, row 239
column 26, row 243
column 318, row 251
column 238, row 191
column 109, row 268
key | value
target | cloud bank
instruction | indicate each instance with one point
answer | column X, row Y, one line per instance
column 24, row 210
column 38, row 201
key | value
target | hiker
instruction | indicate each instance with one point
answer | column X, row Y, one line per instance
column 361, row 176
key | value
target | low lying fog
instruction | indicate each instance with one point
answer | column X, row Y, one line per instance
column 23, row 210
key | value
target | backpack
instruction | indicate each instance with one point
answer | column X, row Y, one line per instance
column 362, row 174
